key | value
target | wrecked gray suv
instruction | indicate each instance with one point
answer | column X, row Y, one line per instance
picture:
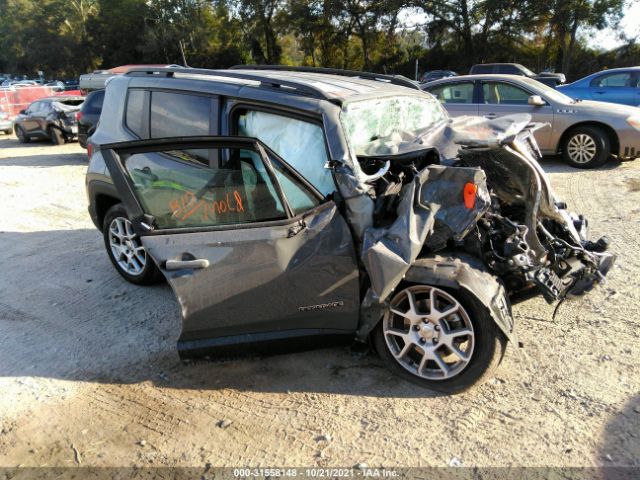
column 286, row 207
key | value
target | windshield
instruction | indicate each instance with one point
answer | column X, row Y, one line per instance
column 377, row 126
column 548, row 91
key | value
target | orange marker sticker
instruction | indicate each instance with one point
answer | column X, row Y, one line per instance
column 470, row 191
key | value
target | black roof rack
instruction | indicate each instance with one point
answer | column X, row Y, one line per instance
column 395, row 80
column 262, row 79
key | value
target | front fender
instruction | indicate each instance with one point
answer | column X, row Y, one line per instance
column 459, row 271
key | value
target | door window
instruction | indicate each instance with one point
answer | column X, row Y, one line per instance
column 508, row 70
column 179, row 191
column 496, row 93
column 623, row 79
column 300, row 143
column 299, row 198
column 456, row 93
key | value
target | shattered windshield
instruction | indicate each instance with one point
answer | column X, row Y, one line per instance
column 377, row 127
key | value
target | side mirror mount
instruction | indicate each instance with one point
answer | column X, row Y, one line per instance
column 23, row 112
column 536, row 101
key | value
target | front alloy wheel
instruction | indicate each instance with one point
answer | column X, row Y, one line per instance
column 125, row 250
column 439, row 340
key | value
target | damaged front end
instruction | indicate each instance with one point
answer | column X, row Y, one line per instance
column 466, row 203
column 528, row 238
column 63, row 116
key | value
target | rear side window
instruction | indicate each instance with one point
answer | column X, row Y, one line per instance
column 135, row 113
column 482, row 69
column 509, row 70
column 174, row 115
column 456, row 93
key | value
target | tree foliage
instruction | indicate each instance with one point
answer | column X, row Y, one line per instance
column 69, row 37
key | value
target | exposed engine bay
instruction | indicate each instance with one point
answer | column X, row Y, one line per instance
column 492, row 200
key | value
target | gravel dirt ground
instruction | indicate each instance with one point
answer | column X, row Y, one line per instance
column 89, row 373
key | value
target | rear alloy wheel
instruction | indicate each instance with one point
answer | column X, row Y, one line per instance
column 586, row 147
column 22, row 137
column 439, row 340
column 56, row 136
column 125, row 249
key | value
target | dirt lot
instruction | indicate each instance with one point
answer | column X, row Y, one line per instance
column 89, row 373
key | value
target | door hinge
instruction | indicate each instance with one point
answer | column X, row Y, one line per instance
column 147, row 222
column 296, row 229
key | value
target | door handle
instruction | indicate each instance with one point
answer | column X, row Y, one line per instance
column 186, row 264
column 600, row 93
column 491, row 115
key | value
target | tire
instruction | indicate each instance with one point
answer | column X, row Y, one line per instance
column 586, row 147
column 484, row 346
column 125, row 262
column 56, row 136
column 22, row 136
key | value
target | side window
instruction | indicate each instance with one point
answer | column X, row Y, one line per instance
column 134, row 117
column 179, row 191
column 298, row 196
column 299, row 143
column 622, row 79
column 481, row 69
column 33, row 108
column 508, row 70
column 495, row 93
column 175, row 114
column 456, row 93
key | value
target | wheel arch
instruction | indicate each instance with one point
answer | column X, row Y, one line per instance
column 611, row 134
column 464, row 272
column 103, row 202
column 454, row 271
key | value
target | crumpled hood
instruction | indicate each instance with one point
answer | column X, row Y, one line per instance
column 63, row 107
column 449, row 137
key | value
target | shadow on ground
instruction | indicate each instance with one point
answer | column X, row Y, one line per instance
column 621, row 440
column 75, row 319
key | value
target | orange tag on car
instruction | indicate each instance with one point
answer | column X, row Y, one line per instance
column 470, row 190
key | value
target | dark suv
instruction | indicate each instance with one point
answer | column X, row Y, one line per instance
column 290, row 206
column 89, row 115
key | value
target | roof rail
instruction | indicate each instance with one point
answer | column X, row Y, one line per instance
column 262, row 79
column 404, row 82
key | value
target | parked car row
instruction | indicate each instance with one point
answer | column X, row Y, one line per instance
column 617, row 85
column 585, row 132
column 8, row 81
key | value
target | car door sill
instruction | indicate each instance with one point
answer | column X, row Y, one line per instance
column 264, row 343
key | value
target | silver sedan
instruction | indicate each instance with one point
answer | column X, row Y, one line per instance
column 586, row 133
